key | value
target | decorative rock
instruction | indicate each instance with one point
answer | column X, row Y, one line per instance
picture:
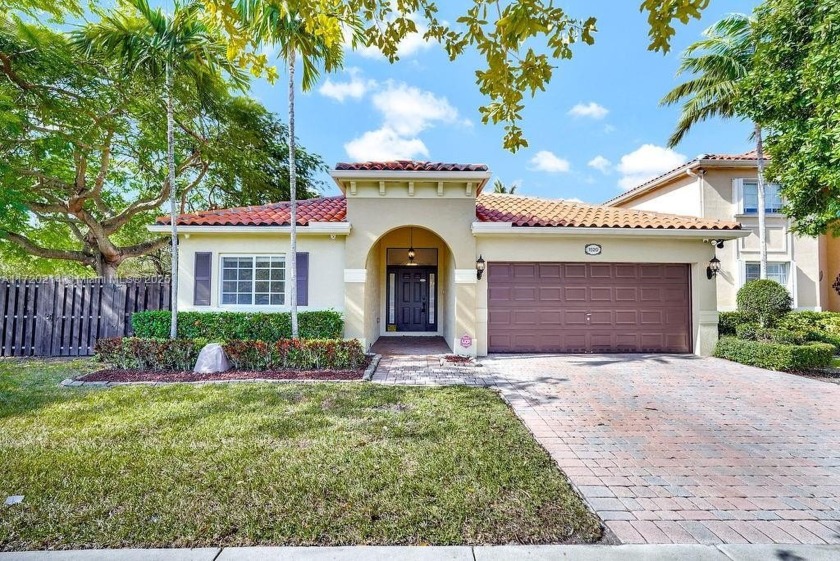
column 211, row 359
column 14, row 499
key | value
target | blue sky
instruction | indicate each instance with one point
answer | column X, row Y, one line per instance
column 597, row 130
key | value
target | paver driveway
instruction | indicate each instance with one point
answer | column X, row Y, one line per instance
column 678, row 448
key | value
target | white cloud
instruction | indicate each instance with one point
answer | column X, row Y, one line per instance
column 645, row 163
column 406, row 111
column 591, row 110
column 573, row 200
column 355, row 88
column 549, row 162
column 409, row 110
column 385, row 144
column 600, row 163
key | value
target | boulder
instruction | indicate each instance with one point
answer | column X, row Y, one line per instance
column 211, row 359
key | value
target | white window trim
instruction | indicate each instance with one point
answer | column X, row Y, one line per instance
column 791, row 284
column 252, row 307
column 738, row 197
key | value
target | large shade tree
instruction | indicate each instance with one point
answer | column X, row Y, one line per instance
column 518, row 41
column 794, row 89
column 83, row 157
column 718, row 65
column 164, row 47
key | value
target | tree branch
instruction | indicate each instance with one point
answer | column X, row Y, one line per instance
column 34, row 249
column 144, row 248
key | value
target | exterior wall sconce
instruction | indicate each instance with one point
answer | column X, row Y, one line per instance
column 836, row 285
column 713, row 269
column 480, row 264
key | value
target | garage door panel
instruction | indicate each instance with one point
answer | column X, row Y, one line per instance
column 588, row 307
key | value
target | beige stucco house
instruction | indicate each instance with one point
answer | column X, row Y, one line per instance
column 724, row 187
column 416, row 248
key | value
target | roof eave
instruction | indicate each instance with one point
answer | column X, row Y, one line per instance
column 508, row 229
column 313, row 228
column 700, row 163
column 343, row 175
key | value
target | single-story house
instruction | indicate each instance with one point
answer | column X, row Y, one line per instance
column 725, row 187
column 416, row 248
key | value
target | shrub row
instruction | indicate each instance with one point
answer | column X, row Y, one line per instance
column 136, row 353
column 775, row 356
column 823, row 327
column 223, row 326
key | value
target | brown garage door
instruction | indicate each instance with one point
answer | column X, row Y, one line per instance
column 588, row 307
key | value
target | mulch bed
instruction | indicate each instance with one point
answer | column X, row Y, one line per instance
column 116, row 375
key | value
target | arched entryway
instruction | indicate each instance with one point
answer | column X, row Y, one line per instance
column 410, row 286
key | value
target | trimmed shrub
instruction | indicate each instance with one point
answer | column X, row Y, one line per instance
column 775, row 356
column 729, row 321
column 765, row 300
column 297, row 354
column 818, row 326
column 135, row 353
column 221, row 326
column 750, row 332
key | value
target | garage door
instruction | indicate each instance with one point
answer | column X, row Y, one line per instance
column 588, row 307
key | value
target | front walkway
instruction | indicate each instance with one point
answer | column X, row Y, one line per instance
column 674, row 449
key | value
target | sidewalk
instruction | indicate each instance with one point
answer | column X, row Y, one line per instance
column 465, row 553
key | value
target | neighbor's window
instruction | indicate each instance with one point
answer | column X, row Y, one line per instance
column 254, row 280
column 778, row 272
column 772, row 198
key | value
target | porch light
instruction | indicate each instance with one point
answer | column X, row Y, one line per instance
column 411, row 252
column 480, row 264
column 714, row 268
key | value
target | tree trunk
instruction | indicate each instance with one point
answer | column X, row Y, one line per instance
column 107, row 271
column 762, row 205
column 173, row 209
column 292, row 259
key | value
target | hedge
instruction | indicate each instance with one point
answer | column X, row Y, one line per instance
column 728, row 322
column 775, row 356
column 136, row 353
column 228, row 326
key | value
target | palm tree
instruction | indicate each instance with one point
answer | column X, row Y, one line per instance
column 502, row 189
column 718, row 64
column 163, row 46
column 276, row 24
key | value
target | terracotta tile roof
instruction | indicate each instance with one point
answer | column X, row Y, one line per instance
column 322, row 209
column 408, row 165
column 530, row 211
column 751, row 155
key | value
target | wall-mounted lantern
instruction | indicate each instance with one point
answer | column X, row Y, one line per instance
column 714, row 268
column 480, row 264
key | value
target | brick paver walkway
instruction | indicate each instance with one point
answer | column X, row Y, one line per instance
column 674, row 449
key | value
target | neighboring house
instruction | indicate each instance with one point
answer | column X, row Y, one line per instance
column 415, row 248
column 724, row 187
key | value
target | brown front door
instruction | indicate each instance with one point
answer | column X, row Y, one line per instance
column 412, row 299
column 589, row 307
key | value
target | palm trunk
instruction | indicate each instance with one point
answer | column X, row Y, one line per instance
column 292, row 260
column 762, row 206
column 173, row 210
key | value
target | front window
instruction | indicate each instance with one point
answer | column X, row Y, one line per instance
column 778, row 272
column 254, row 280
column 772, row 197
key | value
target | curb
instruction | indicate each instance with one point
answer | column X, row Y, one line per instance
column 374, row 363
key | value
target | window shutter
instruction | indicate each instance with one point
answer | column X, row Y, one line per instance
column 303, row 279
column 202, row 275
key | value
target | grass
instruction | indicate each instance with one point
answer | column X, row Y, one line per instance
column 279, row 464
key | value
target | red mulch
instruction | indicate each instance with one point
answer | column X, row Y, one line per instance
column 115, row 375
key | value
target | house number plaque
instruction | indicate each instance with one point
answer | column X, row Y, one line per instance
column 592, row 249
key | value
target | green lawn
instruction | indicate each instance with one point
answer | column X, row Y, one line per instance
column 247, row 464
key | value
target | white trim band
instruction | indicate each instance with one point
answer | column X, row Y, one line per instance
column 355, row 275
column 465, row 276
column 314, row 228
column 507, row 229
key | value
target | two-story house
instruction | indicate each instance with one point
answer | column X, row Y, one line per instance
column 724, row 187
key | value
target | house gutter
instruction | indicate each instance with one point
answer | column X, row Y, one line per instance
column 313, row 228
column 486, row 229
